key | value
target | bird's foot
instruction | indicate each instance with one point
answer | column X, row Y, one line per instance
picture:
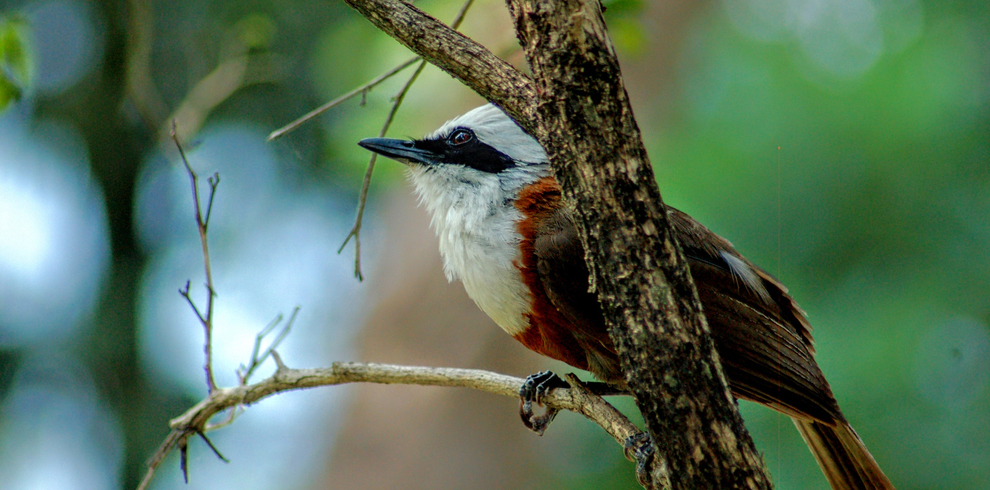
column 640, row 449
column 536, row 387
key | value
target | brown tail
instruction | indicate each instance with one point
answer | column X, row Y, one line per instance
column 844, row 459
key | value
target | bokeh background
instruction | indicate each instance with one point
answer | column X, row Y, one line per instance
column 842, row 144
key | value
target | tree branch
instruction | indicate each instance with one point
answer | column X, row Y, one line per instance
column 202, row 225
column 194, row 421
column 654, row 313
column 471, row 63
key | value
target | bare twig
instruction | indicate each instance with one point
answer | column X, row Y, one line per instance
column 363, row 198
column 174, row 438
column 244, row 374
column 578, row 398
column 184, row 459
column 184, row 292
column 214, row 181
column 362, row 91
column 216, row 452
column 201, row 224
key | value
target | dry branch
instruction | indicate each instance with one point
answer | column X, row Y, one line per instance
column 196, row 419
column 362, row 91
column 202, row 227
column 461, row 57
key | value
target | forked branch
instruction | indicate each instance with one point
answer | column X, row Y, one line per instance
column 202, row 226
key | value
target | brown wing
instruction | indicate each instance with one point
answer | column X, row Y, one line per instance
column 560, row 262
column 564, row 276
column 762, row 336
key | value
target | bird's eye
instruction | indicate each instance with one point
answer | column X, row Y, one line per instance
column 460, row 137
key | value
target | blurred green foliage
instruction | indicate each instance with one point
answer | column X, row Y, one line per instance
column 15, row 59
column 870, row 197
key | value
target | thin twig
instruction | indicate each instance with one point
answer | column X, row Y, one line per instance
column 201, row 225
column 244, row 374
column 363, row 198
column 577, row 399
column 362, row 90
column 184, row 292
column 278, row 341
column 214, row 181
column 216, row 451
column 184, row 459
column 258, row 358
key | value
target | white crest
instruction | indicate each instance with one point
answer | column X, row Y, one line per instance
column 496, row 129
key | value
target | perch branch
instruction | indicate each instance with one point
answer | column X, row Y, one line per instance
column 195, row 421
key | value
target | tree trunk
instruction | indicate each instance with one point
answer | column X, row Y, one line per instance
column 578, row 109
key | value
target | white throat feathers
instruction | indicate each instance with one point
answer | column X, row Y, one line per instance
column 473, row 214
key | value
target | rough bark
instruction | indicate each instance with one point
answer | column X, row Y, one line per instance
column 577, row 107
column 641, row 276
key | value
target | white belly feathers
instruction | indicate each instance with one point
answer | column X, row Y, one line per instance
column 488, row 269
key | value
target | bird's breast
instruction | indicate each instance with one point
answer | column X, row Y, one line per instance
column 494, row 255
column 484, row 256
column 549, row 331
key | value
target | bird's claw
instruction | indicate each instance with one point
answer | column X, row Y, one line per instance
column 535, row 389
column 640, row 449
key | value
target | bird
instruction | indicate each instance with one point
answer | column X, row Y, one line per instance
column 506, row 232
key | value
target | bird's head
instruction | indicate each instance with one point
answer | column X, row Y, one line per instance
column 477, row 160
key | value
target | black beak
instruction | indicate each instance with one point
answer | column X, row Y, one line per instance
column 402, row 150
